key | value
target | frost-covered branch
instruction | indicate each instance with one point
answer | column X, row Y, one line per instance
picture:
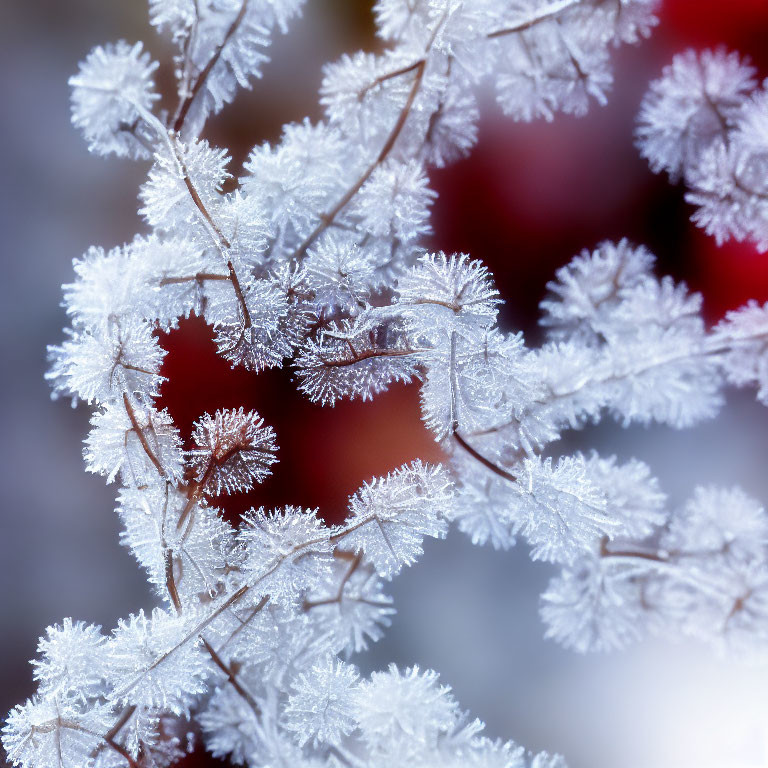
column 316, row 260
column 704, row 120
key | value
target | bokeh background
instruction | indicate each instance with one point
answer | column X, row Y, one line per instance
column 528, row 198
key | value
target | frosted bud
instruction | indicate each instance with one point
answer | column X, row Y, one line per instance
column 109, row 92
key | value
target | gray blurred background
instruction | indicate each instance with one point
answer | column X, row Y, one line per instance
column 470, row 613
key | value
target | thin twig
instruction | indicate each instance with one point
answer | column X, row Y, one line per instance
column 366, row 355
column 550, row 12
column 231, row 677
column 170, row 581
column 184, row 106
column 484, row 460
column 198, row 278
column 327, row 219
column 140, row 434
column 118, row 726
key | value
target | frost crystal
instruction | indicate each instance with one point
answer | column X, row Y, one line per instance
column 705, row 120
column 285, row 551
column 109, row 94
column 315, row 258
column 320, row 707
column 391, row 516
column 72, row 651
column 234, row 451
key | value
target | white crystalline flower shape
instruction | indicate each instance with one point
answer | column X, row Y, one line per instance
column 321, row 706
column 391, row 516
column 109, row 93
column 692, row 105
column 705, row 120
column 234, row 451
column 408, row 704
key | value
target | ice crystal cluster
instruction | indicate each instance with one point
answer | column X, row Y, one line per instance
column 314, row 260
column 706, row 121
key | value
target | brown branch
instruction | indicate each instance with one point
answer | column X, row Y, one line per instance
column 201, row 625
column 354, row 565
column 106, row 738
column 631, row 553
column 419, row 66
column 118, row 726
column 123, row 752
column 170, row 581
column 183, row 108
column 140, row 434
column 452, row 305
column 195, row 492
column 738, row 605
column 198, row 487
column 438, row 113
column 244, row 623
column 198, row 278
column 531, row 22
column 239, row 293
column 137, row 368
column 199, row 204
column 653, row 556
column 484, row 460
column 343, row 554
column 366, row 355
column 390, row 76
column 231, row 677
column 395, row 134
column 223, row 243
column 120, row 723
column 327, row 219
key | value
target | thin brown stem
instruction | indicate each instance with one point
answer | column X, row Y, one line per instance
column 343, row 554
column 354, row 565
column 257, row 608
column 201, row 625
column 120, row 723
column 239, row 293
column 630, row 553
column 471, row 450
column 221, row 240
column 118, row 726
column 195, row 493
column 367, row 355
column 452, row 305
column 238, row 594
column 141, row 436
column 554, row 10
column 106, row 738
column 184, row 106
column 170, row 581
column 198, row 487
column 327, row 219
column 123, row 752
column 137, row 368
column 198, row 278
column 231, row 677
column 484, row 460
column 391, row 76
